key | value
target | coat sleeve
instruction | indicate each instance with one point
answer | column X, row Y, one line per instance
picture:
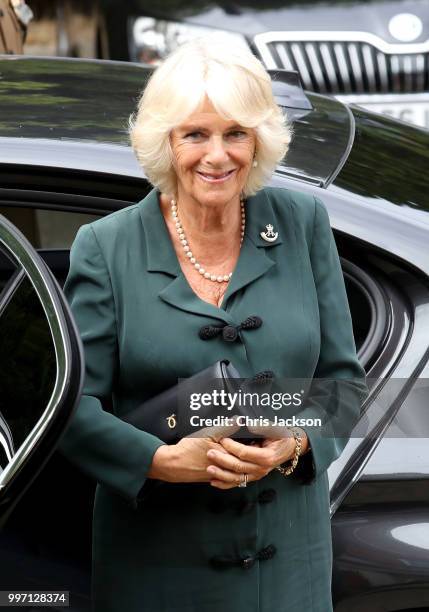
column 114, row 453
column 339, row 386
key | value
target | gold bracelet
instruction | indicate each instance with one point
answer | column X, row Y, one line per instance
column 296, row 455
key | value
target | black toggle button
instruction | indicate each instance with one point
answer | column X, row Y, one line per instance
column 267, row 553
column 248, row 562
column 221, row 562
column 229, row 333
column 207, row 332
column 263, row 377
column 253, row 322
column 266, row 496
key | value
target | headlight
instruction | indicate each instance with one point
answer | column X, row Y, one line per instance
column 154, row 39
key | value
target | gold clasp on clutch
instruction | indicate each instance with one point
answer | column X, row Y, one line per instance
column 171, row 421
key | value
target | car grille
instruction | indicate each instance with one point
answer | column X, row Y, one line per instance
column 349, row 67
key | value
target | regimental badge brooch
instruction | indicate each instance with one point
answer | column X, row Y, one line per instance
column 270, row 235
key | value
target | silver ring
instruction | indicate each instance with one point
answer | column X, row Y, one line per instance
column 243, row 483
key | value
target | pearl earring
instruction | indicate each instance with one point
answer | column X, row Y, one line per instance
column 255, row 163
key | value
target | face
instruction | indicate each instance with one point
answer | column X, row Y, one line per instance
column 212, row 157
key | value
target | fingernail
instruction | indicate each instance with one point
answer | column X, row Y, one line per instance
column 211, row 453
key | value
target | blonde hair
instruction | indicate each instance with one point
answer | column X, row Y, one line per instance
column 239, row 88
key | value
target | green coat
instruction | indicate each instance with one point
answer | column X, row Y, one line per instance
column 139, row 322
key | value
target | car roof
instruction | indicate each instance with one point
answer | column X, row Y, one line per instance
column 63, row 101
column 56, row 98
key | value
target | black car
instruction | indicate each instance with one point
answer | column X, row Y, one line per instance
column 370, row 52
column 64, row 161
column 374, row 53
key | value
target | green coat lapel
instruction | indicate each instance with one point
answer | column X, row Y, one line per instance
column 253, row 261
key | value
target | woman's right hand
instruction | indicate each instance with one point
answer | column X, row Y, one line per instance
column 185, row 461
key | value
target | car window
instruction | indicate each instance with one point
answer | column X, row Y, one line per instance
column 8, row 268
column 27, row 358
column 47, row 228
column 41, row 364
column 321, row 141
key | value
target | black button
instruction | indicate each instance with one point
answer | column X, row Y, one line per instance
column 253, row 322
column 229, row 333
column 207, row 332
column 247, row 563
column 267, row 553
column 266, row 496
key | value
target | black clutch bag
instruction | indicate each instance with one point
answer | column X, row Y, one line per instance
column 168, row 414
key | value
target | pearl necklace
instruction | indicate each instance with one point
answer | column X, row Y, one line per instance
column 212, row 277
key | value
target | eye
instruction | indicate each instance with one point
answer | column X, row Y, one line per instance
column 195, row 135
column 237, row 134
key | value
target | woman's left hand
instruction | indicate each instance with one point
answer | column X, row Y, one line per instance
column 264, row 457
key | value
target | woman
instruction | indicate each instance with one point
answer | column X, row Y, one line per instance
column 209, row 246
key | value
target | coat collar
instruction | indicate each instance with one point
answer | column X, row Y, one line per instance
column 259, row 215
column 161, row 256
column 253, row 262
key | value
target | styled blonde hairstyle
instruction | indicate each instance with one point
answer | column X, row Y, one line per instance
column 239, row 88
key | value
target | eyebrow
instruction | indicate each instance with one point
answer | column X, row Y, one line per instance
column 194, row 127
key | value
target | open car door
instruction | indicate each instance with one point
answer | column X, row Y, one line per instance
column 41, row 365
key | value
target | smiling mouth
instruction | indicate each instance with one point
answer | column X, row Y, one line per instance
column 215, row 178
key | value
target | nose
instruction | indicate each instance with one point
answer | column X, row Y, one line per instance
column 216, row 152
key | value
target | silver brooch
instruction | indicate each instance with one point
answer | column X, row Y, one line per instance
column 270, row 235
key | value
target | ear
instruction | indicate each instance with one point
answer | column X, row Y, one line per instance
column 170, row 149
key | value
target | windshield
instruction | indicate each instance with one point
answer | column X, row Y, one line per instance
column 322, row 139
